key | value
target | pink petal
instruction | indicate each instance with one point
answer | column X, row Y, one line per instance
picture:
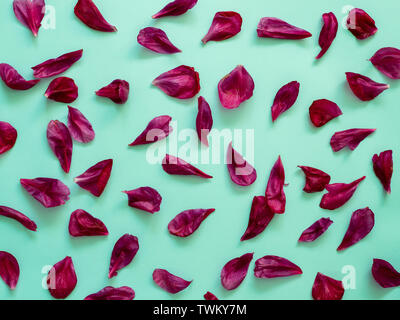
column 242, row 173
column 156, row 40
column 60, row 142
column 30, row 13
column 234, row 272
column 275, row 195
column 62, row 89
column 175, row 8
column 117, row 91
column 145, row 198
column 61, row 280
column 158, row 129
column 316, row 180
column 210, row 296
column 204, row 120
column 8, row 136
column 79, row 127
column 365, row 88
column 326, row 288
column 169, row 282
column 384, row 274
column 360, row 24
column 13, row 79
column 187, row 222
column 383, row 168
column 328, row 33
column 275, row 267
column 90, row 15
column 123, row 253
column 349, row 138
column 225, row 25
column 9, row 269
column 177, row 166
column 83, row 224
column 387, row 61
column 111, row 293
column 279, row 29
column 316, row 230
column 322, row 111
column 285, row 99
column 18, row 216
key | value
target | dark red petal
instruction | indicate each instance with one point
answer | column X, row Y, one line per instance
column 9, row 269
column 210, row 296
column 361, row 223
column 18, row 216
column 177, row 166
column 83, row 224
column 383, row 168
column 322, row 111
column 60, row 142
column 182, row 82
column 56, row 66
column 235, row 88
column 158, row 129
column 234, row 272
column 13, row 79
column 145, row 198
column 349, row 138
column 384, row 274
column 326, row 288
column 123, row 253
column 279, row 29
column 79, row 127
column 365, row 88
column 275, row 195
column 8, row 136
column 156, row 40
column 61, row 280
column 187, row 222
column 30, row 13
column 175, row 8
column 49, row 192
column 62, row 89
column 328, row 32
column 169, row 282
column 204, row 120
column 313, row 232
column 360, row 24
column 338, row 194
column 242, row 173
column 275, row 267
column 90, row 15
column 117, row 91
column 285, row 99
column 387, row 61
column 111, row 293
column 316, row 180
column 225, row 25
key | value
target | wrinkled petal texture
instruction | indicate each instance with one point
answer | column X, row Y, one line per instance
column 18, row 216
column 384, row 274
column 158, row 129
column 177, row 166
column 328, row 33
column 242, row 173
column 326, row 288
column 285, row 99
column 275, row 267
column 322, row 111
column 145, row 198
column 83, row 224
column 13, row 79
column 235, row 271
column 79, row 127
column 204, row 120
column 123, row 253
column 363, row 87
column 117, row 91
column 9, row 269
column 349, row 138
column 225, row 25
column 315, row 230
column 276, row 28
column 316, row 180
column 169, row 282
column 111, row 293
column 61, row 279
column 275, row 195
column 387, row 61
column 360, row 24
column 30, row 13
column 187, row 222
column 90, row 15
column 8, row 136
column 156, row 40
column 383, row 168
column 62, row 89
column 175, row 8
column 60, row 142
column 210, row 296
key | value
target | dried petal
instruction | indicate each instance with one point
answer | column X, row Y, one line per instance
column 9, row 269
column 383, row 168
column 175, row 8
column 387, row 61
column 360, row 24
column 145, row 198
column 177, row 166
column 169, row 282
column 285, row 99
column 322, row 111
column 83, row 224
column 61, row 280
column 276, row 198
column 338, row 194
column 182, row 82
column 328, row 33
column 79, row 127
column 187, row 222
column 13, row 79
column 384, row 274
column 326, row 288
column 242, row 173
column 275, row 267
column 60, row 142
column 234, row 272
column 49, row 192
column 62, row 89
column 235, row 88
column 225, row 25
column 349, row 138
column 90, row 15
column 365, row 88
column 156, row 40
column 117, row 91
column 95, row 178
column 123, row 253
column 204, row 120
column 316, row 230
column 157, row 129
column 30, row 13
column 111, row 293
column 18, row 216
column 8, row 136
column 210, row 296
column 316, row 180
column 279, row 29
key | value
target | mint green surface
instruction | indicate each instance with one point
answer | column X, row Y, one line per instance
column 272, row 63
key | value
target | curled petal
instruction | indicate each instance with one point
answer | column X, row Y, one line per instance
column 204, row 120
column 111, row 293
column 60, row 142
column 61, row 279
column 8, row 136
column 90, row 15
column 187, row 222
column 285, row 99
column 79, row 127
column 242, row 173
column 13, row 79
column 175, row 8
column 316, row 180
column 156, row 40
column 210, row 296
column 275, row 195
column 177, row 166
column 30, row 13
column 275, row 267
column 360, row 24
column 83, row 224
column 328, row 33
column 326, row 288
column 349, row 138
column 62, row 89
column 158, row 129
column 123, row 253
column 384, row 274
column 383, row 168
column 9, row 269
column 145, row 198
column 322, row 111
column 169, row 282
column 225, row 25
column 387, row 61
column 117, row 91
column 234, row 272
column 316, row 230
column 18, row 216
column 276, row 28
column 365, row 88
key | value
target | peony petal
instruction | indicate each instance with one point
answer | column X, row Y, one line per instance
column 123, row 253
column 316, row 230
column 365, row 88
column 275, row 195
column 225, row 25
column 111, row 293
column 79, row 127
column 175, row 8
column 169, row 282
column 349, row 138
column 61, row 280
column 187, row 222
column 322, row 111
column 117, row 91
column 275, row 267
column 90, row 15
column 276, row 28
column 384, row 274
column 360, row 24
column 158, row 129
column 210, row 296
column 8, row 136
column 9, row 269
column 156, row 40
column 328, row 33
column 204, row 120
column 177, row 166
column 145, row 198
column 234, row 272
column 13, row 79
column 30, row 13
column 387, row 61
column 326, row 288
column 383, row 168
column 316, row 180
column 62, row 89
column 285, row 99
column 60, row 142
column 83, row 224
column 242, row 173
column 18, row 216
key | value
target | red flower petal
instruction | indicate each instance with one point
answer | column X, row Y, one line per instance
column 13, row 79
column 79, row 127
column 117, row 91
column 326, row 288
column 95, row 178
column 83, row 224
column 8, row 136
column 182, row 82
column 177, row 166
column 9, row 269
column 322, row 111
column 349, row 138
column 383, row 168
column 384, row 274
column 365, row 88
column 275, row 267
column 145, row 198
column 387, row 61
column 187, row 222
column 279, row 29
column 49, row 192
column 60, row 142
column 234, row 272
column 242, row 173
column 204, row 120
column 111, row 293
column 62, row 89
column 285, row 99
column 123, row 253
column 56, row 66
column 225, row 25
column 18, row 216
column 210, row 296
column 175, row 8
column 235, row 88
column 30, row 13
column 328, row 33
column 313, row 232
column 61, row 280
column 276, row 199
column 360, row 24
column 169, row 282
column 156, row 40
column 90, row 15
column 157, row 129
column 316, row 180
column 338, row 194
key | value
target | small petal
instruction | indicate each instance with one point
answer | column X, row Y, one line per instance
column 61, row 279
column 316, row 230
column 387, row 61
column 117, row 91
column 90, row 15
column 83, row 224
column 158, row 129
column 62, row 89
column 275, row 195
column 326, row 288
column 384, row 274
column 322, row 111
column 360, row 24
column 30, row 13
column 234, row 272
column 225, row 25
column 349, row 138
column 383, row 168
column 13, row 79
column 285, row 99
column 60, row 142
column 18, row 216
column 8, row 136
column 156, row 40
column 187, row 222
column 328, row 33
column 210, row 296
column 145, row 198
column 275, row 267
column 204, row 120
column 175, row 8
column 177, row 166
column 316, row 180
column 365, row 88
column 79, row 127
column 9, row 269
column 169, row 282
column 123, row 253
column 279, row 29
column 242, row 173
column 111, row 293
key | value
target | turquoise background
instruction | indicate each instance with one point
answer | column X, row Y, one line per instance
column 272, row 63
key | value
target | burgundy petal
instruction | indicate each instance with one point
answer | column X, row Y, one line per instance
column 18, row 216
column 275, row 195
column 9, row 269
column 187, row 222
column 145, row 198
column 175, row 8
column 349, row 138
column 123, row 253
column 156, row 40
column 60, row 142
column 338, row 194
column 8, row 136
column 83, row 224
column 56, row 66
column 111, row 293
column 62, row 89
column 210, row 296
column 387, row 61
column 365, row 88
column 316, row 230
column 158, row 129
column 285, row 99
column 316, row 180
column 117, row 91
column 169, row 282
column 328, row 32
column 242, row 173
column 384, row 274
column 177, row 166
column 13, row 79
column 61, row 280
column 360, row 24
column 235, row 88
column 326, row 288
column 182, row 82
column 30, row 13
column 49, row 192
column 279, row 29
column 275, row 267
column 383, row 168
column 234, row 272
column 90, row 15
column 225, row 25
column 204, row 120
column 322, row 111
column 79, row 127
